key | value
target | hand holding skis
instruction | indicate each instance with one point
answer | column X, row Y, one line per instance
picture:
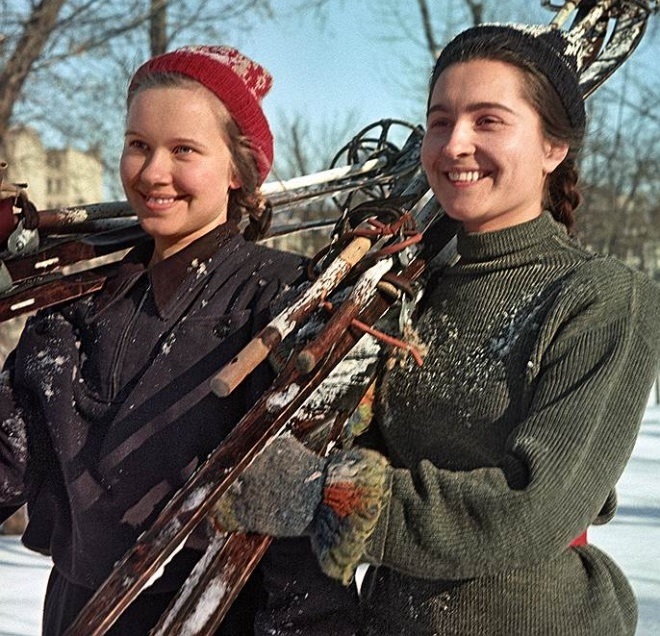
column 290, row 491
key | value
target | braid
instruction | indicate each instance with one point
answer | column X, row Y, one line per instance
column 256, row 207
column 248, row 200
column 563, row 196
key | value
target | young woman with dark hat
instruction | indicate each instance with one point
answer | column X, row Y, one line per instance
column 105, row 403
column 500, row 451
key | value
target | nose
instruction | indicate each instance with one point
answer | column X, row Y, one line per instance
column 156, row 169
column 459, row 141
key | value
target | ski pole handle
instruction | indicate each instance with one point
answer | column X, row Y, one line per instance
column 248, row 359
column 258, row 349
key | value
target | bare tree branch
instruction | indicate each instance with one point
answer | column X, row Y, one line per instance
column 476, row 8
column 158, row 27
column 18, row 66
column 427, row 27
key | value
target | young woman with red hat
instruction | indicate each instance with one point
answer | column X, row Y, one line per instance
column 105, row 403
column 507, row 443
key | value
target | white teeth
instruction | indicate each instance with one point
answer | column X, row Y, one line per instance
column 466, row 177
column 161, row 200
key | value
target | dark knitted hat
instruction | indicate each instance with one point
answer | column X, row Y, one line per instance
column 550, row 50
column 239, row 83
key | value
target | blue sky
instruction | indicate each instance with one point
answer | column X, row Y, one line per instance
column 348, row 62
column 326, row 69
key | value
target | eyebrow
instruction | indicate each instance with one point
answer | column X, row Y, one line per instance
column 473, row 107
column 177, row 140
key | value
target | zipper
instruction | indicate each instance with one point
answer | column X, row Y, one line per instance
column 122, row 346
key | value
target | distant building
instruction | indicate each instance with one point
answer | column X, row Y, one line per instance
column 54, row 177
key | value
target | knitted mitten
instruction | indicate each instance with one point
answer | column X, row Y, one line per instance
column 289, row 491
column 357, row 485
column 277, row 493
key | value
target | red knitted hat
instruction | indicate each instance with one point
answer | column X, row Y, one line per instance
column 238, row 82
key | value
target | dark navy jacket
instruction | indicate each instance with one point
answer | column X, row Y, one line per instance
column 114, row 390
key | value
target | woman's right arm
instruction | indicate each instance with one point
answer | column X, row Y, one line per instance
column 13, row 446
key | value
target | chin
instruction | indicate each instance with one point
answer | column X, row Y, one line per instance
column 154, row 229
column 461, row 215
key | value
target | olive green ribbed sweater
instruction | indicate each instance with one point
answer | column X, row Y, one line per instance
column 509, row 441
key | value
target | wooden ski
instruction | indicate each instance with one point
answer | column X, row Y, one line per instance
column 202, row 603
column 267, row 419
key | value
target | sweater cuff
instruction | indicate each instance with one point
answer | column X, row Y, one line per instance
column 357, row 488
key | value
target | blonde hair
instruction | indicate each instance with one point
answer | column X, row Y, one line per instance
column 246, row 200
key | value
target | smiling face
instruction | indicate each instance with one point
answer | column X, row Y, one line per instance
column 176, row 167
column 484, row 152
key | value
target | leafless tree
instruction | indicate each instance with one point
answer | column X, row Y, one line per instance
column 302, row 149
column 158, row 27
column 30, row 44
column 64, row 63
column 621, row 167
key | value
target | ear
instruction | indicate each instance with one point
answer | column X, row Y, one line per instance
column 554, row 154
column 234, row 181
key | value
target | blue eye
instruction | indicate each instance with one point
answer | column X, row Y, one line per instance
column 138, row 144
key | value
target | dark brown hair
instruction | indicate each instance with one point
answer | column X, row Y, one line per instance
column 561, row 195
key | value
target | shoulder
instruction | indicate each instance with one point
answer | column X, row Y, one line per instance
column 252, row 275
column 604, row 290
column 271, row 264
column 609, row 281
column 282, row 261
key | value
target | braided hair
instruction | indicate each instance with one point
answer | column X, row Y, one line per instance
column 561, row 195
column 247, row 200
column 562, row 120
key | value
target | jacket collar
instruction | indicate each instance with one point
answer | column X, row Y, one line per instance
column 167, row 275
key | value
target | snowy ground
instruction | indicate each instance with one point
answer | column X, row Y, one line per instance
column 632, row 539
